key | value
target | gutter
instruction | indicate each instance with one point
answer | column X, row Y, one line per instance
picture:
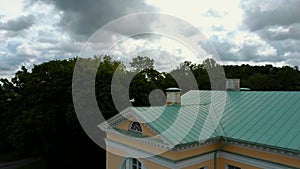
column 224, row 142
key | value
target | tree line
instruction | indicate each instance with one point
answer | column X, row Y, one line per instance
column 38, row 118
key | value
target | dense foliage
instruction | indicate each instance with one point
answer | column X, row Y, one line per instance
column 38, row 118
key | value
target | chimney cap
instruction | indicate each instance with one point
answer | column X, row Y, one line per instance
column 173, row 89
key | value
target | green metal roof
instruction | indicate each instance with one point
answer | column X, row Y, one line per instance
column 177, row 124
column 263, row 118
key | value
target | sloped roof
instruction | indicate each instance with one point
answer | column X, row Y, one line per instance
column 264, row 118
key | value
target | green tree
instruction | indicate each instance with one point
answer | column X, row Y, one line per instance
column 140, row 63
column 216, row 74
column 8, row 100
column 289, row 78
column 264, row 82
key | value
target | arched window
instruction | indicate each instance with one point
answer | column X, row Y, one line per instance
column 135, row 126
column 132, row 163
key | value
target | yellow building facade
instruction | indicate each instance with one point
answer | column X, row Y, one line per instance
column 244, row 138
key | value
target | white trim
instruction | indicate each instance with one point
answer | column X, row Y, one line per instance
column 195, row 160
column 135, row 153
column 227, row 166
column 250, row 161
column 194, row 145
column 265, row 149
column 131, row 152
column 165, row 145
column 182, row 164
column 130, row 158
column 130, row 127
column 128, row 114
column 144, row 140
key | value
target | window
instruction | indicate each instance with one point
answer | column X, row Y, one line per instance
column 232, row 167
column 136, row 164
column 132, row 163
column 135, row 126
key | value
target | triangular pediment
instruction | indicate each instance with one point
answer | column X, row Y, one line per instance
column 120, row 124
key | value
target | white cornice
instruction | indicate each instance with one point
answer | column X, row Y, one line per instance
column 191, row 146
column 134, row 152
column 265, row 149
column 162, row 145
column 251, row 161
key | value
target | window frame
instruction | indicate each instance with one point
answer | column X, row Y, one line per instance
column 229, row 166
column 205, row 167
column 130, row 163
column 135, row 123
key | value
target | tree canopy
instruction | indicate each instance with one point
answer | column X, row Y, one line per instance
column 38, row 117
column 140, row 63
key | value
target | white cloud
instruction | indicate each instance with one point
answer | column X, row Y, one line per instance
column 10, row 9
column 253, row 32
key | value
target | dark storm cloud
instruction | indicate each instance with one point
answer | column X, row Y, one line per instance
column 82, row 18
column 244, row 52
column 286, row 46
column 17, row 24
column 258, row 14
column 11, row 63
column 222, row 47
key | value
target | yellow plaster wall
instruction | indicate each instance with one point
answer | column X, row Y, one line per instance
column 113, row 161
column 115, row 157
column 221, row 163
column 138, row 145
column 179, row 155
column 123, row 125
column 116, row 151
column 151, row 165
column 209, row 164
column 167, row 154
column 263, row 155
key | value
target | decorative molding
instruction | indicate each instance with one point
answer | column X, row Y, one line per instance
column 195, row 160
column 194, row 145
column 265, row 149
column 251, row 161
column 163, row 145
column 129, row 114
column 141, row 140
column 135, row 153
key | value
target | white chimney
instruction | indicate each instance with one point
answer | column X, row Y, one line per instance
column 173, row 96
column 233, row 84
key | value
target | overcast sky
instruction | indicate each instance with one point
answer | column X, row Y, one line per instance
column 251, row 32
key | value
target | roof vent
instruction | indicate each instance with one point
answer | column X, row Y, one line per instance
column 233, row 84
column 173, row 96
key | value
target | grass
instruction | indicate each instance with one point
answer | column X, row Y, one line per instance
column 40, row 164
column 10, row 156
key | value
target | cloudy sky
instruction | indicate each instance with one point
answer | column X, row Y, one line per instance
column 252, row 32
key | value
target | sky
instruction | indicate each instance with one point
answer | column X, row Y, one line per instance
column 242, row 32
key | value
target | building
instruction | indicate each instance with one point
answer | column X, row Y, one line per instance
column 255, row 130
